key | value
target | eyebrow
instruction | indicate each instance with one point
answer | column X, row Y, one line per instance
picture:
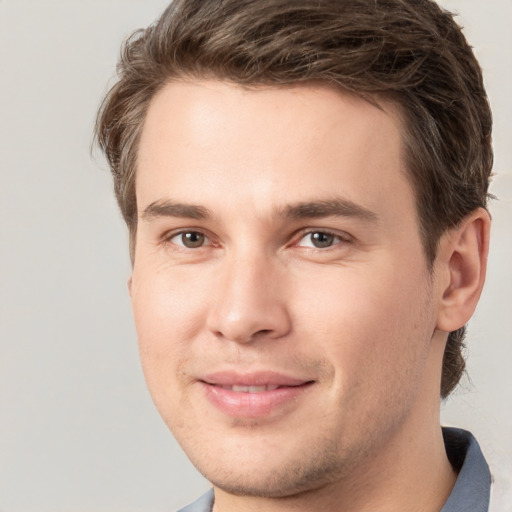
column 167, row 208
column 336, row 207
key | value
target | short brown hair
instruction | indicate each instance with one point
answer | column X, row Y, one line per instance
column 410, row 52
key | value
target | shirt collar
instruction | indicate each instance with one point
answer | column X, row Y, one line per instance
column 473, row 486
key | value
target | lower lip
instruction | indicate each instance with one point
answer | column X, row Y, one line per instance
column 252, row 405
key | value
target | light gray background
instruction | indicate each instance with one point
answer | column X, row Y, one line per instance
column 78, row 429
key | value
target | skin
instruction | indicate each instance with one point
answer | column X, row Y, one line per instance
column 339, row 297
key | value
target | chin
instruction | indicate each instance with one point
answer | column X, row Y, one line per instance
column 276, row 476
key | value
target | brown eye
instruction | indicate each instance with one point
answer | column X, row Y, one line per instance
column 319, row 240
column 189, row 239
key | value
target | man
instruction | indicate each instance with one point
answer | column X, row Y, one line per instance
column 305, row 185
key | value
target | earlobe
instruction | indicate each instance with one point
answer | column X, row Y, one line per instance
column 463, row 254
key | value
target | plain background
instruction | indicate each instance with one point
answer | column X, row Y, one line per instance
column 78, row 429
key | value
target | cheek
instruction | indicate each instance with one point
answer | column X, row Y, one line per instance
column 374, row 327
column 168, row 310
column 167, row 317
column 376, row 338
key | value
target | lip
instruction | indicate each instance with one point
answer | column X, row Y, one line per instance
column 282, row 391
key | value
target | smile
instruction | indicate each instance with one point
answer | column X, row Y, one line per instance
column 253, row 395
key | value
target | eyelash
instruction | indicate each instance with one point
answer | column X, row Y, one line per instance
column 168, row 238
column 341, row 239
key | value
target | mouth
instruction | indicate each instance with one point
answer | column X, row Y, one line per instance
column 250, row 389
column 253, row 395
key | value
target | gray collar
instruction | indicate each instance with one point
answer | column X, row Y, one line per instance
column 473, row 486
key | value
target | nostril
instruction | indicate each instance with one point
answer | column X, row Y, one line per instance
column 243, row 320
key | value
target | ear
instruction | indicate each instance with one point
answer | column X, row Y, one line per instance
column 462, row 264
column 129, row 284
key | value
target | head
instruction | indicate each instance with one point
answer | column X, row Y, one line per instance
column 412, row 54
column 407, row 58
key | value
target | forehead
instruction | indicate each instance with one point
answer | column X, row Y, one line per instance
column 272, row 144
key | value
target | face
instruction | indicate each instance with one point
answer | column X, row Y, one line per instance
column 282, row 301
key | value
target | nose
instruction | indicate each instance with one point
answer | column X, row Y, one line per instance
column 250, row 301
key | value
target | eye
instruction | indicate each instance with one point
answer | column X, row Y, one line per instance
column 320, row 240
column 189, row 239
